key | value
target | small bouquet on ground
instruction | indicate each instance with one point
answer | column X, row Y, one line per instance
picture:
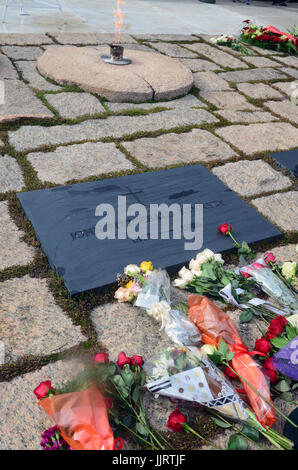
column 270, row 283
column 269, row 38
column 229, row 41
column 81, row 407
column 132, row 281
column 287, row 272
column 207, row 276
column 80, row 416
column 280, row 344
column 218, row 330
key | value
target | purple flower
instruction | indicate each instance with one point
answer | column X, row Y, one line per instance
column 51, row 440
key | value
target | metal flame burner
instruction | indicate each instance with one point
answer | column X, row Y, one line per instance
column 116, row 56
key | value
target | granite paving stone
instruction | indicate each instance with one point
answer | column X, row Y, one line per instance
column 173, row 50
column 188, row 101
column 249, row 178
column 262, row 51
column 259, row 91
column 32, row 76
column 166, row 37
column 24, row 420
column 90, row 38
column 219, row 57
column 13, row 251
column 290, row 71
column 289, row 60
column 260, row 137
column 281, row 209
column 29, row 137
column 210, row 81
column 31, row 322
column 246, row 116
column 285, row 253
column 21, row 102
column 139, row 334
column 72, row 105
column 168, row 149
column 200, row 65
column 78, row 162
column 288, row 88
column 285, row 109
column 7, row 70
column 11, row 177
column 18, row 39
column 227, row 100
column 258, row 74
column 22, row 53
column 262, row 62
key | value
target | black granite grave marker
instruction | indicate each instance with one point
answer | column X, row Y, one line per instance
column 64, row 221
column 288, row 160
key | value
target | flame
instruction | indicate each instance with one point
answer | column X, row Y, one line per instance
column 119, row 15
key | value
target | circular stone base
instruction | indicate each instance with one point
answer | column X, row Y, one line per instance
column 150, row 76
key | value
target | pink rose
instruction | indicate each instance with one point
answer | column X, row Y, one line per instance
column 43, row 390
column 269, row 257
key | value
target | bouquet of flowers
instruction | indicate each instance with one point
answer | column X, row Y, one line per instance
column 287, row 272
column 81, row 409
column 229, row 41
column 271, row 284
column 268, row 38
column 207, row 276
column 132, row 281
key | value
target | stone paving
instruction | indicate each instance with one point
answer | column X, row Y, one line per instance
column 239, row 110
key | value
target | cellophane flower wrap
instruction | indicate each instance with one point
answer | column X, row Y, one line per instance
column 155, row 297
column 81, row 418
column 215, row 325
column 271, row 284
column 186, row 374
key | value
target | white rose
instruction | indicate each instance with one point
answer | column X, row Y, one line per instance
column 194, row 264
column 218, row 257
column 213, row 40
column 208, row 349
column 185, row 274
column 131, row 269
column 201, row 258
column 160, row 311
column 180, row 283
column 196, row 272
column 208, row 253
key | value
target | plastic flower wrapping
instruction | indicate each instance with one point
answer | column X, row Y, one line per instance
column 271, row 284
column 215, row 325
column 186, row 374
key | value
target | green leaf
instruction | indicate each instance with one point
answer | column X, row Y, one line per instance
column 128, row 375
column 245, row 316
column 208, row 271
column 250, row 432
column 237, row 442
column 283, row 386
column 182, row 307
column 141, row 430
column 295, row 386
column 223, row 348
column 244, row 249
column 230, row 356
column 119, row 382
column 215, row 358
column 220, row 423
column 291, row 332
column 287, row 396
column 136, row 394
column 279, row 342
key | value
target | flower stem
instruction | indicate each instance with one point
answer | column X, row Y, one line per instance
column 235, row 241
column 262, row 396
column 189, row 429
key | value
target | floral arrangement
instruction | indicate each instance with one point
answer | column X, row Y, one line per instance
column 113, row 389
column 268, row 38
column 229, row 41
column 132, row 281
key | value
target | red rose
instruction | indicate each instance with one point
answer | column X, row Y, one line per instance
column 270, row 370
column 123, row 359
column 258, row 266
column 175, row 421
column 101, row 357
column 269, row 257
column 137, row 360
column 109, row 403
column 246, row 21
column 229, row 373
column 43, row 389
column 274, row 330
column 225, row 228
column 245, row 274
column 262, row 345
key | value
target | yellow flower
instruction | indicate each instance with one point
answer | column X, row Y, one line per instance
column 129, row 284
column 146, row 266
